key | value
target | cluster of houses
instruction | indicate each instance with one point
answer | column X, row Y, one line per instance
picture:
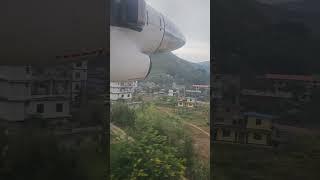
column 124, row 91
column 247, row 113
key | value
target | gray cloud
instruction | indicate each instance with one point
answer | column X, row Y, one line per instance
column 193, row 18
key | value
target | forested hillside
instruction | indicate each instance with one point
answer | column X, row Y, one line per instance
column 168, row 68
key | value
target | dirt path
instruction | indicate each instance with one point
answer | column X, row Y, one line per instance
column 197, row 127
column 121, row 134
column 200, row 137
column 201, row 141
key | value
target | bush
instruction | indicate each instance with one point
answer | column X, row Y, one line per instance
column 122, row 115
column 148, row 157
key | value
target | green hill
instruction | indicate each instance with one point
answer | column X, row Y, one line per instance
column 168, row 68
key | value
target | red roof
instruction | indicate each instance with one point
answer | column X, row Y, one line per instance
column 289, row 77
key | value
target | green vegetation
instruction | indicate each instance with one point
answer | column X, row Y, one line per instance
column 166, row 101
column 161, row 149
column 295, row 161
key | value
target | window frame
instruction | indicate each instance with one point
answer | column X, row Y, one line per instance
column 40, row 108
column 58, row 107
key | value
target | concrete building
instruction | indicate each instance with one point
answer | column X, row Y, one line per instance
column 171, row 92
column 186, row 102
column 97, row 77
column 252, row 128
column 122, row 90
column 79, row 81
column 27, row 91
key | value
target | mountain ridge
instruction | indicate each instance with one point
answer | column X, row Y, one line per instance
column 168, row 68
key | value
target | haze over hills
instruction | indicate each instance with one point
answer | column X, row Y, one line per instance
column 168, row 68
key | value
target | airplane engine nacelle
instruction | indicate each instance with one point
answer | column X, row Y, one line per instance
column 127, row 62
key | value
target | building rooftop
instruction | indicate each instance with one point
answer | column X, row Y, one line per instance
column 267, row 116
column 290, row 77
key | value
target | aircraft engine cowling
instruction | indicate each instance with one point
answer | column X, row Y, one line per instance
column 127, row 62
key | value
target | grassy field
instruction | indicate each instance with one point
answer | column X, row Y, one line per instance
column 195, row 123
column 297, row 160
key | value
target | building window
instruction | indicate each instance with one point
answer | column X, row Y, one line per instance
column 79, row 64
column 28, row 69
column 257, row 136
column 77, row 75
column 40, row 108
column 128, row 95
column 226, row 133
column 77, row 87
column 59, row 107
column 258, row 121
column 122, row 95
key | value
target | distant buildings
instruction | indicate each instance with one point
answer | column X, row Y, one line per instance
column 186, row 102
column 122, row 90
column 171, row 92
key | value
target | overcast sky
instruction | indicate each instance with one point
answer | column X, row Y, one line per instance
column 192, row 17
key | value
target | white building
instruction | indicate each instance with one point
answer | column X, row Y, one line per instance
column 27, row 91
column 122, row 90
column 170, row 92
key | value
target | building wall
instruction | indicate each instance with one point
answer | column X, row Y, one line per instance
column 14, row 90
column 50, row 108
column 220, row 136
column 125, row 96
column 252, row 140
column 265, row 123
column 15, row 72
column 82, row 75
column 122, row 90
column 12, row 111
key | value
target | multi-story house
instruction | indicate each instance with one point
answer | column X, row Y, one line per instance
column 27, row 91
column 79, row 81
column 122, row 90
column 188, row 102
column 251, row 128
